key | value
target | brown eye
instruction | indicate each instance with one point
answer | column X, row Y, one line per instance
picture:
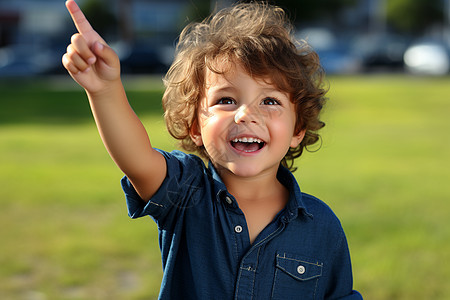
column 226, row 101
column 270, row 101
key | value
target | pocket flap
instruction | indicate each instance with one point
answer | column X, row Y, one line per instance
column 298, row 267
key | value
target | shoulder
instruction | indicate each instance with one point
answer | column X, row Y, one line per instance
column 314, row 209
column 322, row 228
column 180, row 163
column 179, row 157
column 183, row 170
column 185, row 184
column 321, row 213
column 180, row 166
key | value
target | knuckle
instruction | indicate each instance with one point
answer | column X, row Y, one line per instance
column 65, row 61
column 76, row 37
column 71, row 53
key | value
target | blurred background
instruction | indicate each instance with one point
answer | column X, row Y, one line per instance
column 383, row 164
column 350, row 35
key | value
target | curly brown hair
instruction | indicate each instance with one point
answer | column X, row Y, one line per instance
column 259, row 37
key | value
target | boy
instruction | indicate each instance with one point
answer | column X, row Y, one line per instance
column 244, row 96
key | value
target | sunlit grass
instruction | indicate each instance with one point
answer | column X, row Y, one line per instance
column 65, row 232
column 383, row 168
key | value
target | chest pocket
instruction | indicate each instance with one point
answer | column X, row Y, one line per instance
column 295, row 277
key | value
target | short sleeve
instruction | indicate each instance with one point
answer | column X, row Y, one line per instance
column 182, row 188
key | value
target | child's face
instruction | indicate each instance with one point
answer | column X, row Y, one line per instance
column 246, row 125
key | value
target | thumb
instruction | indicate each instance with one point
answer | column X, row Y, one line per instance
column 106, row 54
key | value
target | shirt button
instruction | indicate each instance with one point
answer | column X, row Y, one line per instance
column 228, row 200
column 238, row 229
column 301, row 269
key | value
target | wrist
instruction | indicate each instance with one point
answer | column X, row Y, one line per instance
column 110, row 90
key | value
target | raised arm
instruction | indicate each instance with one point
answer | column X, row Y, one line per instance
column 96, row 67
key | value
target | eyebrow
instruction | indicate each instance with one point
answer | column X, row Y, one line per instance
column 224, row 88
column 231, row 88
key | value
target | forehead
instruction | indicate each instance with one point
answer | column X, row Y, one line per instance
column 231, row 73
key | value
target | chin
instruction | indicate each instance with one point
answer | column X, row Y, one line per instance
column 246, row 170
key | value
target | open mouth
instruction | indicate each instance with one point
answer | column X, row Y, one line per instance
column 247, row 144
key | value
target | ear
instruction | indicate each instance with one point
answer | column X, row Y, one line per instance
column 298, row 138
column 195, row 134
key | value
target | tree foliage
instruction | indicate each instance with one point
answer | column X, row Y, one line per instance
column 100, row 17
column 312, row 10
column 414, row 16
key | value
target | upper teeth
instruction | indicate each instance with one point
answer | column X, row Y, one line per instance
column 247, row 140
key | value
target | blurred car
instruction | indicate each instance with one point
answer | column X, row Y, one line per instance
column 428, row 58
column 23, row 60
column 334, row 53
column 381, row 51
column 16, row 61
column 143, row 57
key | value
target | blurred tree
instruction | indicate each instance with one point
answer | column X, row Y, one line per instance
column 414, row 16
column 301, row 11
column 126, row 31
column 298, row 10
column 100, row 16
column 196, row 11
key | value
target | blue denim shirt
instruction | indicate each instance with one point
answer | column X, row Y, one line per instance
column 206, row 250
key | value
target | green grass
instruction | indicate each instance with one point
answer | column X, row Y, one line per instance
column 383, row 168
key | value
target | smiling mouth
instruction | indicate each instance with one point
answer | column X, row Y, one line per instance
column 247, row 144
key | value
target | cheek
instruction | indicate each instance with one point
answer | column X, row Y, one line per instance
column 203, row 114
column 283, row 129
column 211, row 126
column 206, row 119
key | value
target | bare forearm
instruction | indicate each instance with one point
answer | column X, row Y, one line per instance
column 122, row 132
column 96, row 67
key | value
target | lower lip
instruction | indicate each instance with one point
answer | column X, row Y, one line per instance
column 245, row 153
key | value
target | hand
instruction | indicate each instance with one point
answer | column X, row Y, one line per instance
column 89, row 60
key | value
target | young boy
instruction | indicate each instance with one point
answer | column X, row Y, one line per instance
column 244, row 96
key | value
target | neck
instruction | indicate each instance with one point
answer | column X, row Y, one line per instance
column 254, row 189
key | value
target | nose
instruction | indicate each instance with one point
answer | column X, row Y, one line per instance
column 247, row 114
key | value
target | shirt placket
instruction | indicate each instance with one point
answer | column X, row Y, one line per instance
column 245, row 283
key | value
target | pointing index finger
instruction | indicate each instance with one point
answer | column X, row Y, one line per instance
column 80, row 21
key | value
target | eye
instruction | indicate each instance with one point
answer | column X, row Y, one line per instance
column 270, row 101
column 226, row 101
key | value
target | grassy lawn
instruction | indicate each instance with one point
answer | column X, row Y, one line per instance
column 383, row 168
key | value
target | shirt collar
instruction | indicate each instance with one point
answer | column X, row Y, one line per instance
column 294, row 205
column 219, row 186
